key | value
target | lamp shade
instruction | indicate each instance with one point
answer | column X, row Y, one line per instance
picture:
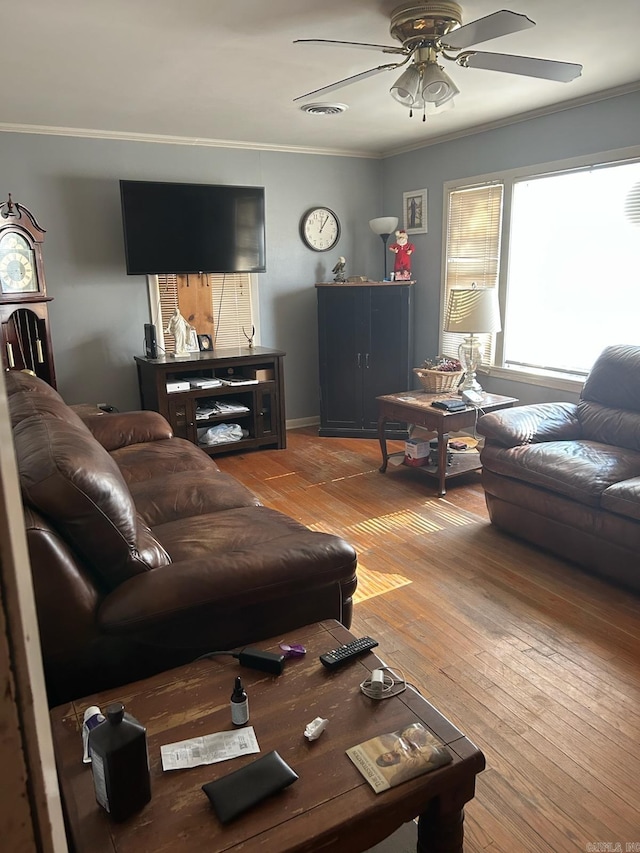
column 473, row 311
column 406, row 89
column 437, row 86
column 383, row 224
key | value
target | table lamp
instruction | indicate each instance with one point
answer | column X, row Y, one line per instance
column 472, row 311
column 384, row 226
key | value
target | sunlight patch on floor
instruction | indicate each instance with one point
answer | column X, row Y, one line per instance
column 449, row 513
column 371, row 584
column 405, row 520
column 441, row 516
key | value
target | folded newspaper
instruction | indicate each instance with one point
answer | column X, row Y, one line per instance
column 389, row 759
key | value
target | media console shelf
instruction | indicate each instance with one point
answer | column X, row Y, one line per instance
column 262, row 403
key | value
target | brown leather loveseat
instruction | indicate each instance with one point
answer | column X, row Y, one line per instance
column 145, row 555
column 566, row 476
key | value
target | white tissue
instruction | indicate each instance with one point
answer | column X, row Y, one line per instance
column 315, row 728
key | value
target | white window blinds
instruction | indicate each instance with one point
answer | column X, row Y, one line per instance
column 219, row 305
column 474, row 222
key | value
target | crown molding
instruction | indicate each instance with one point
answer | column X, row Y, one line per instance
column 123, row 136
column 517, row 119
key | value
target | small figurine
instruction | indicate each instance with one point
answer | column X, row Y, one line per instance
column 339, row 270
column 403, row 250
column 181, row 331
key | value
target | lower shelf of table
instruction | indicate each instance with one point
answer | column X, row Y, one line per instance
column 461, row 463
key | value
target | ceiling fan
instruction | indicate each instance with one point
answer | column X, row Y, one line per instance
column 432, row 29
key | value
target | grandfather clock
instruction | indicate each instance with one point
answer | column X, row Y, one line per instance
column 24, row 318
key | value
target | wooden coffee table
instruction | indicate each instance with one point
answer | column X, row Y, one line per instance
column 330, row 808
column 416, row 407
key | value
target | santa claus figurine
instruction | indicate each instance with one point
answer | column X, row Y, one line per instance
column 403, row 250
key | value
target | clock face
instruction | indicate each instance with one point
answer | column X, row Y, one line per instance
column 320, row 229
column 17, row 268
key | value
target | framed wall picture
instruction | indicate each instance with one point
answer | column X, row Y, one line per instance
column 415, row 211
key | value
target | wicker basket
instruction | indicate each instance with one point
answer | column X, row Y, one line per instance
column 437, row 381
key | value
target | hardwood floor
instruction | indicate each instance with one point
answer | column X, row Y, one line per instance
column 536, row 661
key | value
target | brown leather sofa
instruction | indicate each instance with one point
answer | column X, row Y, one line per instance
column 145, row 555
column 566, row 476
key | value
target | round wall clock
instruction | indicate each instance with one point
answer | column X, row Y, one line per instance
column 320, row 229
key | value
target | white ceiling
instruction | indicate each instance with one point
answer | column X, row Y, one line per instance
column 228, row 71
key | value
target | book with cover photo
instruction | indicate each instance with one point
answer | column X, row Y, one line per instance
column 389, row 759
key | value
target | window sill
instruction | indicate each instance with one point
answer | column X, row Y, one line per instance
column 541, row 378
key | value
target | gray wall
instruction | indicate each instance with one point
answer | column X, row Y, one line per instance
column 602, row 126
column 98, row 312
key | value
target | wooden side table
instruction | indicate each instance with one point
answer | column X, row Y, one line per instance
column 415, row 407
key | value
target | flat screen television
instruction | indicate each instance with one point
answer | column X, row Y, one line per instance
column 192, row 228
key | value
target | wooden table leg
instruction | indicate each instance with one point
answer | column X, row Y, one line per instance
column 443, row 444
column 382, row 438
column 441, row 833
column 441, row 825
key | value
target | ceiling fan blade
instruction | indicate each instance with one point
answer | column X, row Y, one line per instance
column 528, row 66
column 498, row 24
column 385, row 48
column 349, row 80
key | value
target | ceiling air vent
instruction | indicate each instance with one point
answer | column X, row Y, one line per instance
column 324, row 109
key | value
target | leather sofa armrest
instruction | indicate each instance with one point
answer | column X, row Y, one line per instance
column 123, row 428
column 531, row 424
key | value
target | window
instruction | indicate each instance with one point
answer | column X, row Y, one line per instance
column 473, row 250
column 564, row 249
column 220, row 305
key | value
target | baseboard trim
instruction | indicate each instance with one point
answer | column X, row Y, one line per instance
column 298, row 423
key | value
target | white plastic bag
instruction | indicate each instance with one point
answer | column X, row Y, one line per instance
column 221, row 434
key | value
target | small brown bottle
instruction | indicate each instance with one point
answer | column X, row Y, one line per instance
column 120, row 763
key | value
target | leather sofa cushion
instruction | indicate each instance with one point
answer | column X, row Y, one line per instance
column 187, row 493
column 25, row 404
column 70, row 478
column 581, row 470
column 613, row 380
column 623, row 498
column 155, row 459
column 18, row 380
column 616, row 426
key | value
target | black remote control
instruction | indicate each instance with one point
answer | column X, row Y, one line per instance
column 336, row 657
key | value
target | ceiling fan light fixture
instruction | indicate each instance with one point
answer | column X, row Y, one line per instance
column 406, row 89
column 437, row 86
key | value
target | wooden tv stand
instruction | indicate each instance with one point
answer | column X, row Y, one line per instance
column 264, row 419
